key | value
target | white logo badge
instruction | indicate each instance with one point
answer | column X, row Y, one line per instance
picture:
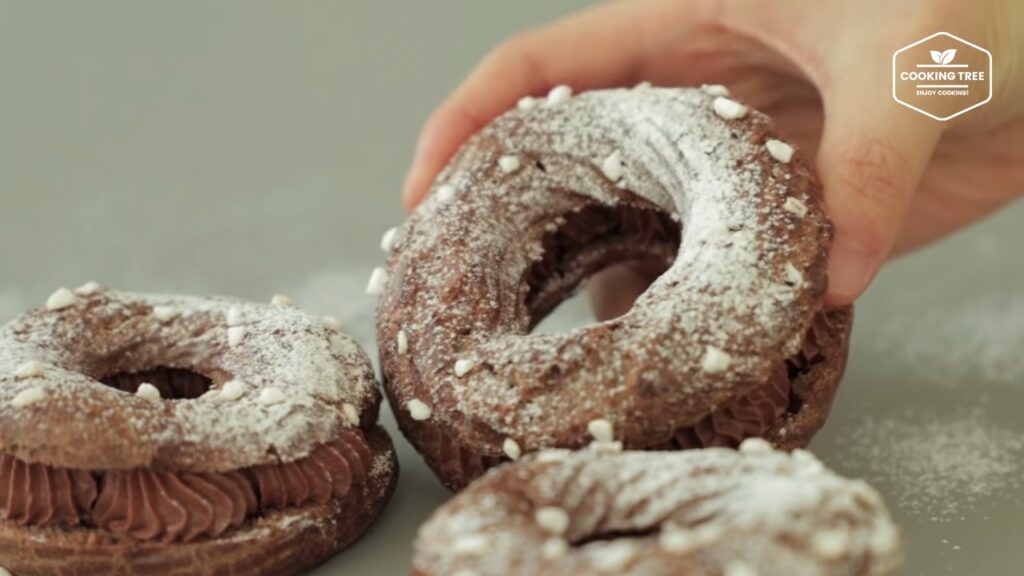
column 942, row 76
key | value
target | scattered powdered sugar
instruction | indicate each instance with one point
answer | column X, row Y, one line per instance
column 283, row 348
column 785, row 514
column 981, row 341
column 682, row 159
column 383, row 465
column 338, row 291
column 938, row 468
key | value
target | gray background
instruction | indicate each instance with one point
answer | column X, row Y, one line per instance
column 258, row 147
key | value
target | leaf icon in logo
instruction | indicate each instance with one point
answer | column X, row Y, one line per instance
column 944, row 57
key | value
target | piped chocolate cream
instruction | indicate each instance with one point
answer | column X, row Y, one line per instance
column 755, row 413
column 39, row 495
column 178, row 506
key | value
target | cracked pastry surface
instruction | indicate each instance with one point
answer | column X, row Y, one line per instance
column 181, row 426
column 708, row 512
column 731, row 341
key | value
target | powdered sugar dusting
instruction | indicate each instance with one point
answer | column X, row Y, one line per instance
column 977, row 342
column 711, row 508
column 939, row 468
column 714, row 175
column 283, row 348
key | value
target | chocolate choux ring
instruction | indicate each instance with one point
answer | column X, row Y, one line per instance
column 731, row 341
column 711, row 512
column 177, row 435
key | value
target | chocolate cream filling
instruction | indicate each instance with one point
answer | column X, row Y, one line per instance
column 170, row 506
column 756, row 412
column 595, row 237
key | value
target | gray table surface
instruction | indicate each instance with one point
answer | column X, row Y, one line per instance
column 251, row 148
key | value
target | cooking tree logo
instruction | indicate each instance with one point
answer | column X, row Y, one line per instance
column 942, row 76
column 943, row 57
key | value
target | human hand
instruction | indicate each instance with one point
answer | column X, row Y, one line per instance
column 893, row 179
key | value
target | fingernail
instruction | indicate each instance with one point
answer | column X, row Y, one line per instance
column 850, row 269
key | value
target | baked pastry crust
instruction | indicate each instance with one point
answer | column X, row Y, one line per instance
column 731, row 341
column 696, row 512
column 146, row 434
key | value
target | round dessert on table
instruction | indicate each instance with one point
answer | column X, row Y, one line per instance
column 179, row 435
column 713, row 512
column 731, row 341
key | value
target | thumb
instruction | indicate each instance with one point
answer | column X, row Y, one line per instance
column 872, row 155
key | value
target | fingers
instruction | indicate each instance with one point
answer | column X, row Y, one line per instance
column 596, row 48
column 971, row 176
column 872, row 156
